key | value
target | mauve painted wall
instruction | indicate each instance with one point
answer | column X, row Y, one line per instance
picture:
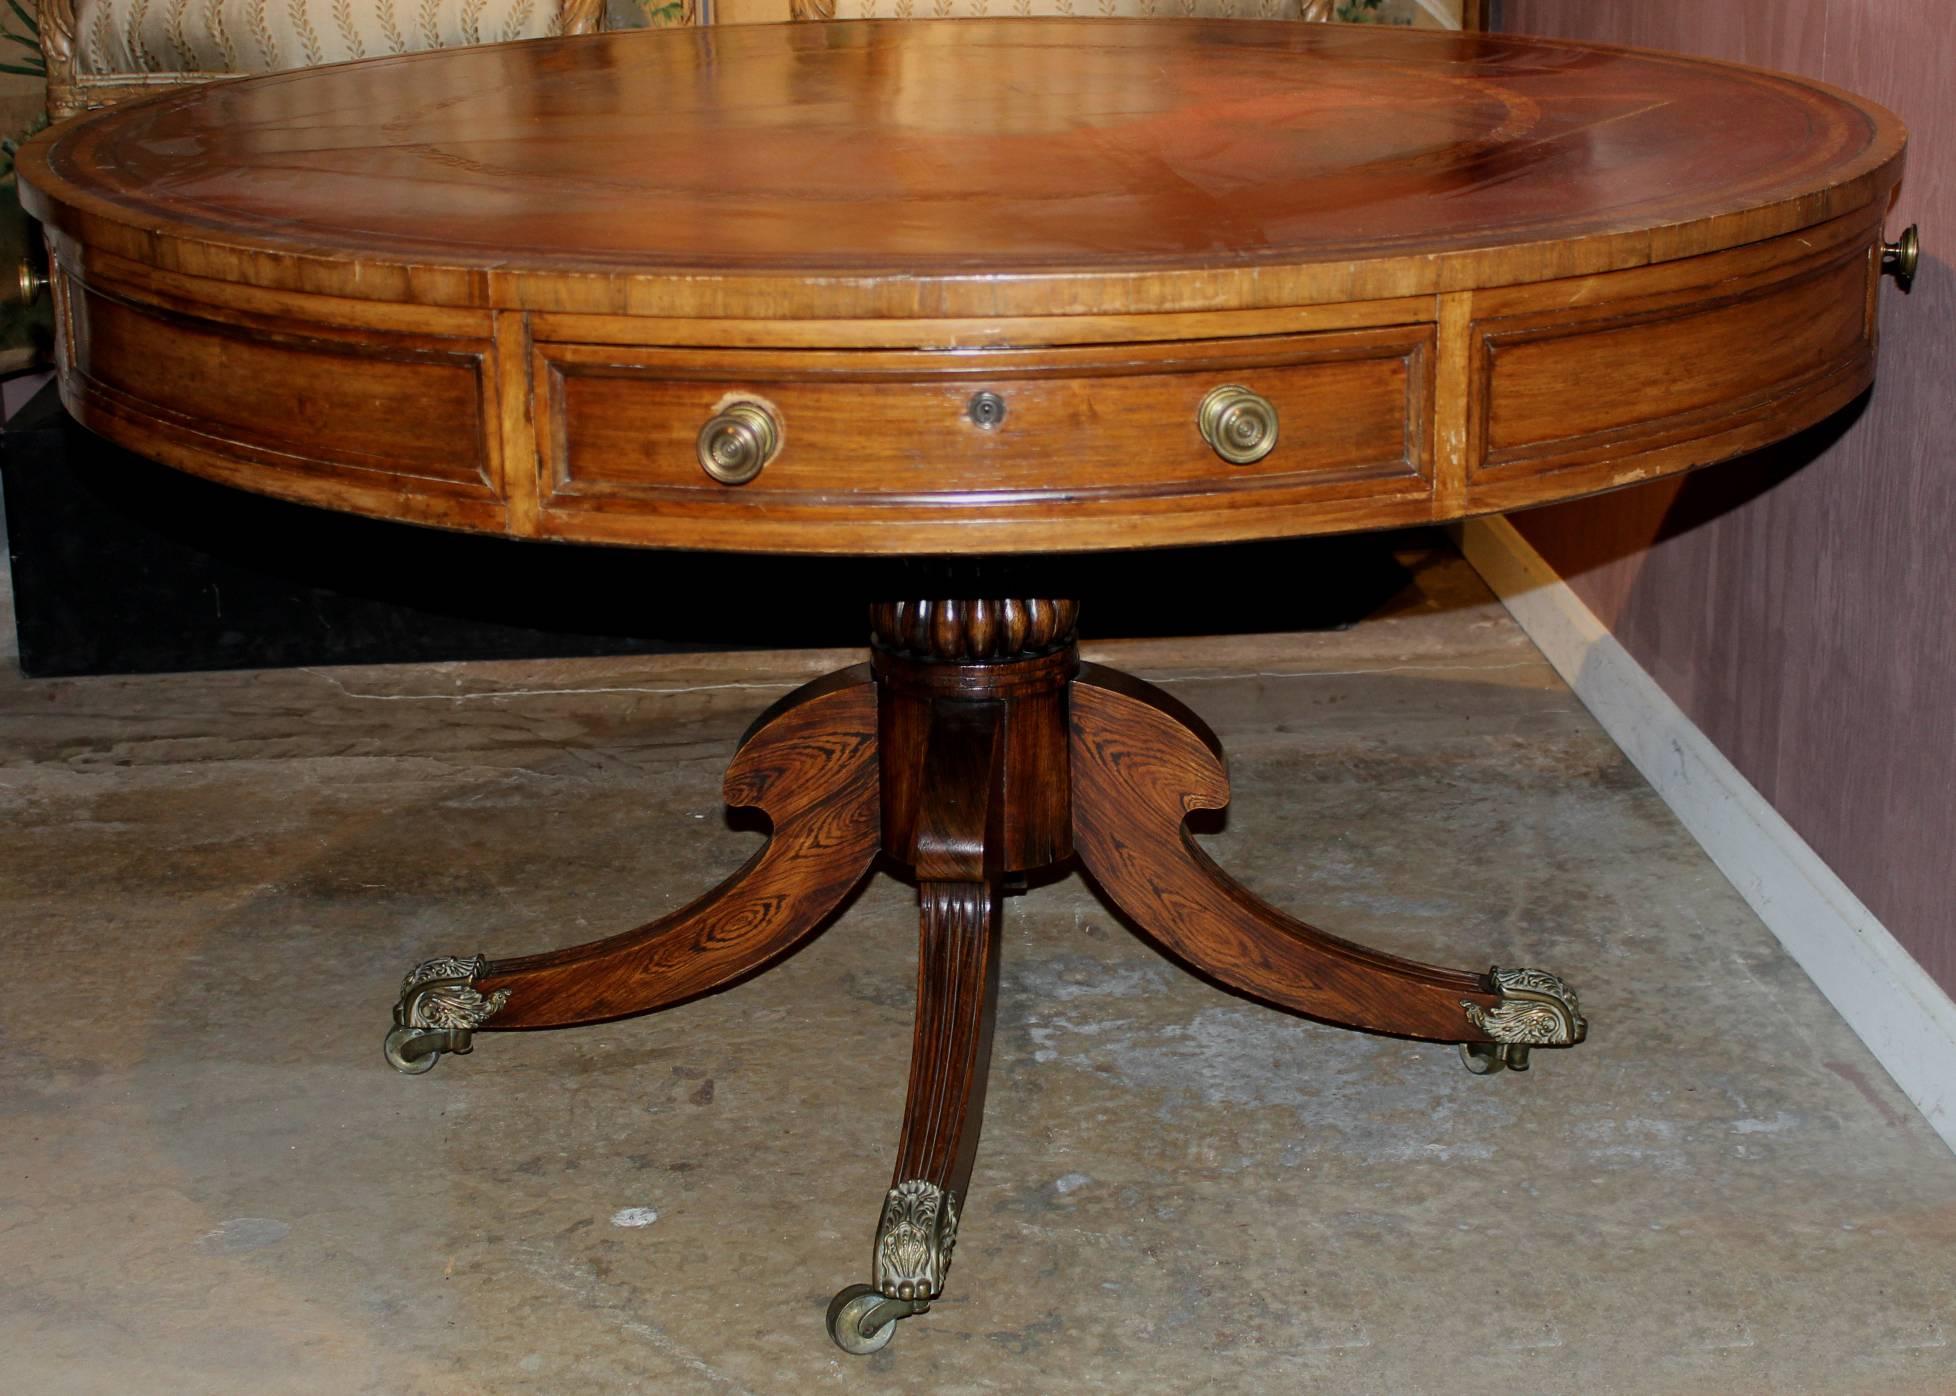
column 1801, row 607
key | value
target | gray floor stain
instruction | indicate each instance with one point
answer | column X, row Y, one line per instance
column 243, row 1234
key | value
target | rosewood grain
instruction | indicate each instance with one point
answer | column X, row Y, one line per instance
column 810, row 764
column 1141, row 764
column 951, row 1048
column 1026, row 701
column 957, row 863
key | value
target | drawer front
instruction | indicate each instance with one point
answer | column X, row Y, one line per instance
column 618, row 427
column 402, row 413
column 1564, row 391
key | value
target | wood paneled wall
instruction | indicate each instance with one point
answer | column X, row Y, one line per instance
column 1798, row 605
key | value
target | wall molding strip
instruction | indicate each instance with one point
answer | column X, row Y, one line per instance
column 1890, row 1001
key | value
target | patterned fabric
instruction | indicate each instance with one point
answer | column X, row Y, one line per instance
column 1429, row 14
column 253, row 36
column 1080, row 9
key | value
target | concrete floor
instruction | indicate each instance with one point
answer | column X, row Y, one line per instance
column 212, row 884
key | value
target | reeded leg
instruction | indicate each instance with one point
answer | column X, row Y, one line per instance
column 810, row 764
column 1141, row 762
column 956, row 856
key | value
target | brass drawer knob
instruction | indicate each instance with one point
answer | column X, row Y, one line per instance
column 1240, row 425
column 1899, row 258
column 29, row 282
column 737, row 441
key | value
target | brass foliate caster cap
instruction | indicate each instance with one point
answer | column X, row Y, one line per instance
column 847, row 1311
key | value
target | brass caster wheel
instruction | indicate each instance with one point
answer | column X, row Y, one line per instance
column 1486, row 1058
column 862, row 1321
column 412, row 1050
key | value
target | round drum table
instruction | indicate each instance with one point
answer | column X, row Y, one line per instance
column 987, row 288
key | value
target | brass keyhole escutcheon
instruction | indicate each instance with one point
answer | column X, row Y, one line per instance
column 737, row 441
column 1239, row 425
column 986, row 411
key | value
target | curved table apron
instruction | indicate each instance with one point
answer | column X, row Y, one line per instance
column 977, row 288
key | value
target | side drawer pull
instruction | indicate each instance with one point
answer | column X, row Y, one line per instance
column 1241, row 426
column 737, row 441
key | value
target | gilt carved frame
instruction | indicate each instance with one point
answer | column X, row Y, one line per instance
column 1314, row 11
column 71, row 91
column 1474, row 13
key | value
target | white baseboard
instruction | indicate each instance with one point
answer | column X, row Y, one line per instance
column 1905, row 1018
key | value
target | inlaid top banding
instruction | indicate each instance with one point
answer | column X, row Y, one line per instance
column 984, row 167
